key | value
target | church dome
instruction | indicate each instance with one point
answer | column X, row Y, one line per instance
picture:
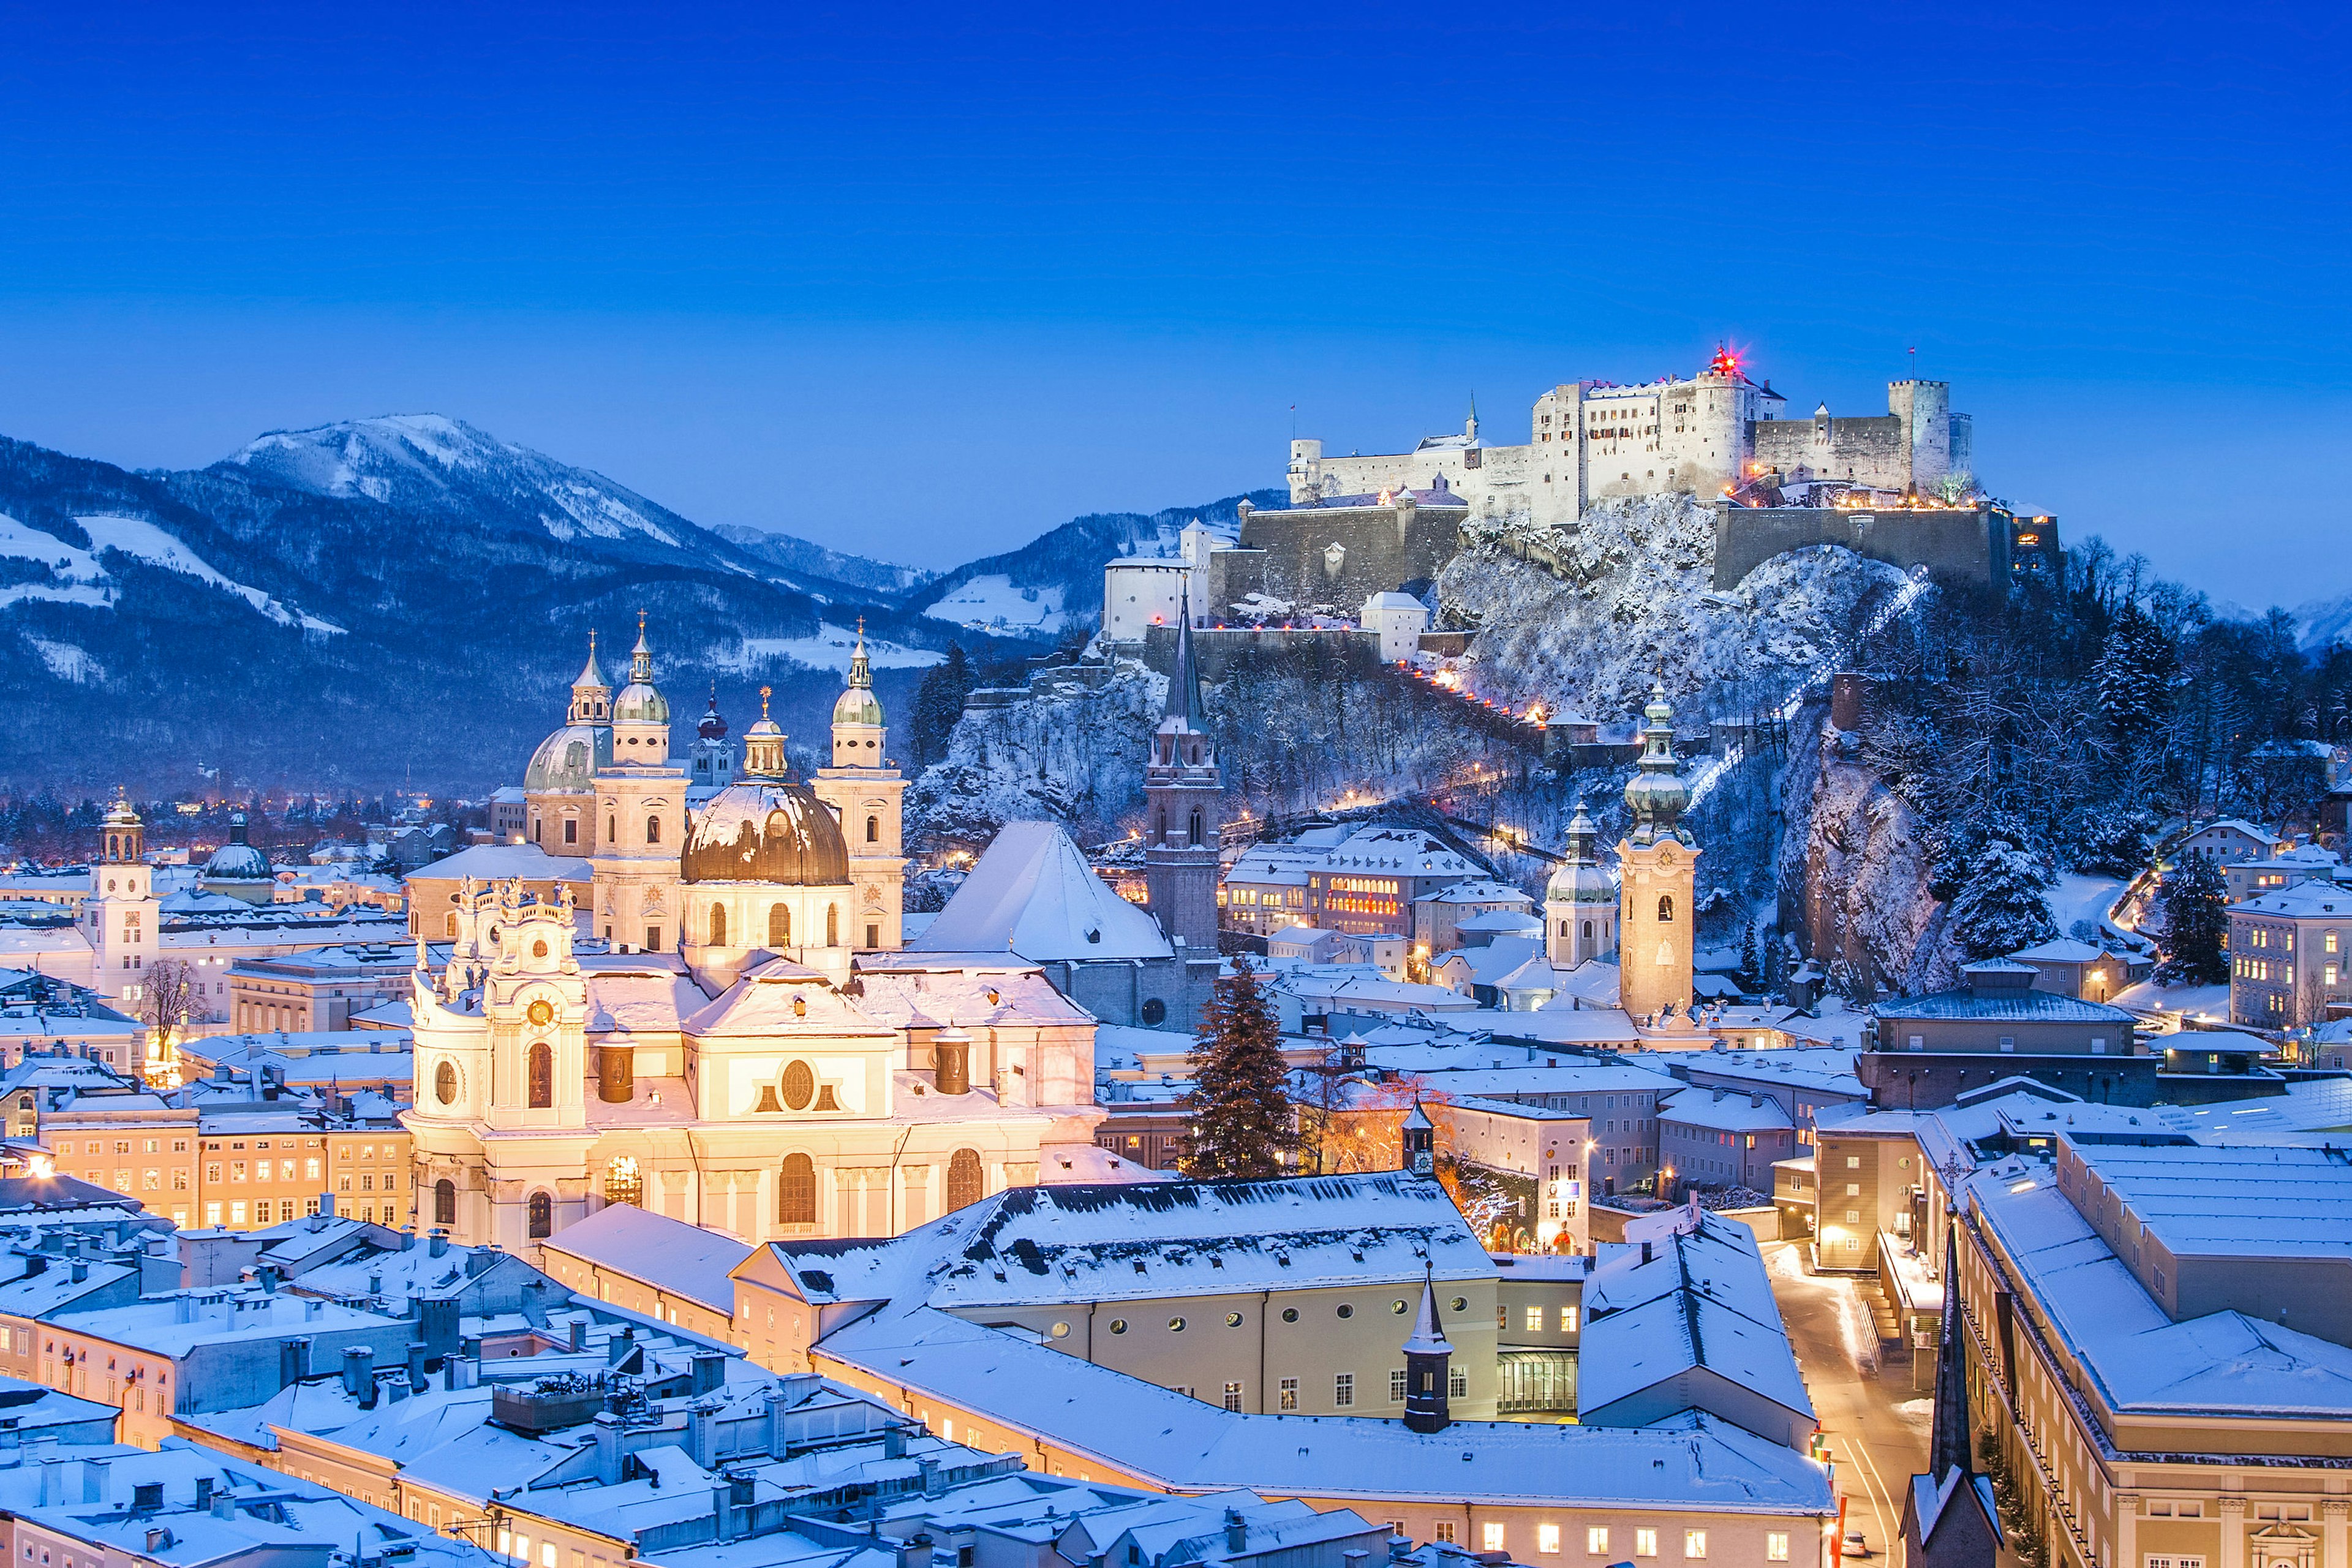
column 766, row 831
column 569, row 759
column 713, row 725
column 1579, row 884
column 640, row 703
column 857, row 705
column 238, row 863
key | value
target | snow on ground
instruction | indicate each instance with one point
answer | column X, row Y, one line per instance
column 830, row 648
column 993, row 604
column 2082, row 896
column 137, row 536
column 64, row 561
column 67, row 662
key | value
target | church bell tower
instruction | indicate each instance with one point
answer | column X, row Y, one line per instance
column 865, row 789
column 1658, row 863
column 1184, row 808
column 120, row 915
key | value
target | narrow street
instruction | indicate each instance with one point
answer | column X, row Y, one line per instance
column 1875, row 1423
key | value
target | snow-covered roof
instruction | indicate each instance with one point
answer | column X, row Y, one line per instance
column 2066, row 950
column 1695, row 1296
column 2022, row 1006
column 919, row 991
column 502, row 862
column 2304, row 900
column 1726, row 1110
column 1476, row 890
column 670, row 1255
column 1825, row 1070
column 1511, row 921
column 782, row 999
column 1033, row 894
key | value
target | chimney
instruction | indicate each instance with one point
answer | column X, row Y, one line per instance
column 183, row 1309
column 932, row 1486
column 416, row 1363
column 224, row 1505
column 314, row 1309
column 894, row 1442
column 698, row 1424
column 81, row 1270
column 608, row 1448
column 709, row 1371
column 147, row 1497
column 480, row 1259
column 53, row 1482
column 204, row 1493
column 1646, row 1250
column 915, row 1551
column 579, row 1334
column 293, row 1361
column 619, row 1346
column 437, row 1243
column 359, row 1371
column 93, row 1480
column 1236, row 1532
column 326, row 1205
column 720, row 1524
column 159, row 1539
column 436, row 1325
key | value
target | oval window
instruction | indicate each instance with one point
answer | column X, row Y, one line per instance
column 1346, row 1310
column 1399, row 1308
column 1233, row 1319
column 445, row 1083
column 1290, row 1314
column 539, row 949
column 1119, row 1325
column 1175, row 1325
column 799, row 1085
column 1155, row 1011
column 1461, row 1303
column 1061, row 1330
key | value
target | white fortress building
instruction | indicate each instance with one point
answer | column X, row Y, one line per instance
column 1592, row 441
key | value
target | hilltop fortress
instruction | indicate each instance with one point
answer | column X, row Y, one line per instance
column 1593, row 441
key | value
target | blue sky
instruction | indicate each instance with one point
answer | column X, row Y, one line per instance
column 923, row 282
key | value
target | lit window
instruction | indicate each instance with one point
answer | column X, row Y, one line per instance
column 1491, row 1535
column 1596, row 1539
column 1645, row 1543
column 1547, row 1538
column 1694, row 1543
column 1776, row 1546
column 1535, row 1320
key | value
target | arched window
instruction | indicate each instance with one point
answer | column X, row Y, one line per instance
column 963, row 1179
column 719, row 925
column 796, row 1191
column 1587, row 930
column 1159, row 826
column 1193, row 834
column 445, row 1202
column 833, row 925
column 542, row 1075
column 873, row 830
column 623, row 1184
column 1666, row 909
column 445, row 1083
column 652, row 829
column 541, row 1210
column 779, row 925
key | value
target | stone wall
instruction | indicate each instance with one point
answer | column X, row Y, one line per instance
column 1215, row 648
column 1984, row 544
column 1339, row 556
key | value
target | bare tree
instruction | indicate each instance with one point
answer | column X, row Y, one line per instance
column 167, row 999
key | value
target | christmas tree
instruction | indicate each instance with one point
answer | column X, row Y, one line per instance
column 1241, row 1118
column 2196, row 921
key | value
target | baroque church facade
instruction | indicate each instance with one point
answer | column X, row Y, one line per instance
column 716, row 1022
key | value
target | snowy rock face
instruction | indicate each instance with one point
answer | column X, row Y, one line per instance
column 1634, row 594
column 1070, row 754
column 1854, row 874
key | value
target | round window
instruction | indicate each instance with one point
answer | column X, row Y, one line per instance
column 1290, row 1314
column 445, row 1083
column 1399, row 1308
column 1461, row 1303
column 539, row 949
column 540, row 1012
column 1119, row 1325
column 1346, row 1310
column 799, row 1085
column 1061, row 1330
column 1175, row 1325
column 1233, row 1319
column 1155, row 1011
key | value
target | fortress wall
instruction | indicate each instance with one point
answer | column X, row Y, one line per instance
column 1216, row 648
column 1974, row 544
column 1874, row 451
column 1286, row 553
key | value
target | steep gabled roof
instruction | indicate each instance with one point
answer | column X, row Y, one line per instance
column 1033, row 894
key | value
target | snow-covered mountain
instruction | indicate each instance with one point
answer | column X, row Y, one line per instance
column 2325, row 622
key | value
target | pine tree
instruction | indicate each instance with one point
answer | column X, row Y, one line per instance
column 1242, row 1120
column 2136, row 674
column 2196, row 919
column 2002, row 905
column 939, row 703
column 1749, row 970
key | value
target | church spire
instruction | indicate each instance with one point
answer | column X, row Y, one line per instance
column 641, row 657
column 1657, row 794
column 861, row 674
column 1184, row 675
column 1948, row 1440
column 591, row 695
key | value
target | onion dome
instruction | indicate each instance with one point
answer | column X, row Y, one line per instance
column 766, row 830
column 1657, row 796
column 639, row 701
column 713, row 727
column 236, row 860
column 857, row 704
column 569, row 759
column 1580, row 878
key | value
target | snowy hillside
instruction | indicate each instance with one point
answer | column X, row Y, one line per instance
column 2326, row 622
column 1638, row 600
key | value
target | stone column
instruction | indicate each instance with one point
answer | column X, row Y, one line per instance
column 2232, row 1511
column 2126, row 1531
column 2331, row 1531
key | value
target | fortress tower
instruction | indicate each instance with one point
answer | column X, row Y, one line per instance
column 1184, row 796
column 865, row 788
column 1657, row 865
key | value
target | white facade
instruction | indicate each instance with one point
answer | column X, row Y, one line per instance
column 1144, row 590
column 1400, row 619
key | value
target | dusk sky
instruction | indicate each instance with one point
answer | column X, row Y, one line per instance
column 921, row 284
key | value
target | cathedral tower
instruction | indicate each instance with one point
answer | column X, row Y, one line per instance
column 864, row 788
column 1657, row 863
column 1579, row 902
column 560, row 785
column 1184, row 804
column 120, row 915
column 641, row 816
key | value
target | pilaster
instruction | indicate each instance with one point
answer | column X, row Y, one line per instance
column 2232, row 1511
column 2332, row 1512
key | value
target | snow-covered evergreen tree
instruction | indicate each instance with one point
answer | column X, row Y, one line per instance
column 2196, row 919
column 1241, row 1124
column 2002, row 904
column 939, row 703
column 2136, row 674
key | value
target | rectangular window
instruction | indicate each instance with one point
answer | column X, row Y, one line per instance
column 1694, row 1543
column 1547, row 1538
column 1645, row 1543
column 1233, row 1398
column 1568, row 1319
column 1442, row 1531
column 1596, row 1540
column 1776, row 1546
column 1490, row 1535
column 1396, row 1386
column 1343, row 1390
column 1535, row 1320
column 1290, row 1394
